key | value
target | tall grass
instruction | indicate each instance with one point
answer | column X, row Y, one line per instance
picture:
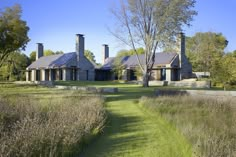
column 56, row 126
column 208, row 123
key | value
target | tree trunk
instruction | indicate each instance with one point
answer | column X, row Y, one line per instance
column 145, row 80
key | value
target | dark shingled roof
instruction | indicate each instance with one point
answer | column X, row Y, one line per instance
column 52, row 61
column 131, row 61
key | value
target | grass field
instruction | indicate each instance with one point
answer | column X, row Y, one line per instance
column 37, row 121
column 133, row 132
column 131, row 129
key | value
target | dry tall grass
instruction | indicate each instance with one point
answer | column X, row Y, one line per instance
column 208, row 123
column 49, row 127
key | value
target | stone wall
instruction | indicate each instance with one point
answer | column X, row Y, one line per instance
column 90, row 89
column 85, row 68
column 190, row 84
column 207, row 93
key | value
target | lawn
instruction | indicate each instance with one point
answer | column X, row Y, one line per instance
column 132, row 129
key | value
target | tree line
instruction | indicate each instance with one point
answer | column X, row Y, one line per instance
column 144, row 27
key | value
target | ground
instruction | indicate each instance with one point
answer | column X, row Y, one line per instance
column 134, row 132
column 131, row 130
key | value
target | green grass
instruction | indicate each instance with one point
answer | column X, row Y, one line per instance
column 132, row 131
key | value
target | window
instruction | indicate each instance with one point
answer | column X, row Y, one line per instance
column 87, row 75
column 163, row 74
column 37, row 75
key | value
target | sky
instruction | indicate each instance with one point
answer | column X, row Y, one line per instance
column 55, row 23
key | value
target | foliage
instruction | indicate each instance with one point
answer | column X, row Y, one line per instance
column 123, row 53
column 204, row 49
column 118, row 67
column 89, row 55
column 47, row 52
column 224, row 70
column 48, row 125
column 149, row 24
column 13, row 68
column 208, row 123
column 13, row 32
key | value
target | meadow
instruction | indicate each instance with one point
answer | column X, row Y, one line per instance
column 133, row 122
column 208, row 123
column 38, row 121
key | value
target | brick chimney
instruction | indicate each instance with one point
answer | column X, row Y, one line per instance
column 79, row 47
column 105, row 53
column 39, row 51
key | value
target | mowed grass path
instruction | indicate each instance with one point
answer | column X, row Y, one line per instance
column 133, row 132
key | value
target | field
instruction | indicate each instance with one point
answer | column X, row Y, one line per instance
column 37, row 121
column 138, row 124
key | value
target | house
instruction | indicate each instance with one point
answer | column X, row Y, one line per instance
column 168, row 66
column 68, row 66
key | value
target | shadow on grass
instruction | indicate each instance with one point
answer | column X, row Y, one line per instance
column 119, row 134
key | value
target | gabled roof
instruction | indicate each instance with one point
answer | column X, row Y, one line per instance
column 53, row 61
column 131, row 61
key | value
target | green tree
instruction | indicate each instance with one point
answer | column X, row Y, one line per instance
column 130, row 52
column 90, row 56
column 224, row 70
column 13, row 32
column 118, row 67
column 203, row 49
column 33, row 56
column 47, row 52
column 13, row 67
column 149, row 24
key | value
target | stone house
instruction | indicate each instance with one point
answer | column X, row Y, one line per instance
column 168, row 66
column 68, row 66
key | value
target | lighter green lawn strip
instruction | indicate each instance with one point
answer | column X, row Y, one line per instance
column 135, row 132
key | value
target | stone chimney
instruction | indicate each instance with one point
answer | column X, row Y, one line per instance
column 39, row 51
column 79, row 47
column 184, row 65
column 105, row 52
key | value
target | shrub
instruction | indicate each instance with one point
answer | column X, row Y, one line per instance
column 208, row 123
column 54, row 126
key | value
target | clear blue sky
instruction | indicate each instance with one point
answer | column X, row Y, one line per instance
column 55, row 22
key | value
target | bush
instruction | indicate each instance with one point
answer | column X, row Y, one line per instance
column 208, row 123
column 48, row 126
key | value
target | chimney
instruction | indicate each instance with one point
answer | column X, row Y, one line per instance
column 105, row 52
column 182, row 43
column 39, row 51
column 79, row 47
column 181, row 52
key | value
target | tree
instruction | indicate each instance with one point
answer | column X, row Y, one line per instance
column 89, row 55
column 14, row 66
column 13, row 32
column 203, row 49
column 32, row 56
column 48, row 52
column 148, row 24
column 224, row 70
column 118, row 67
column 130, row 52
column 45, row 53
